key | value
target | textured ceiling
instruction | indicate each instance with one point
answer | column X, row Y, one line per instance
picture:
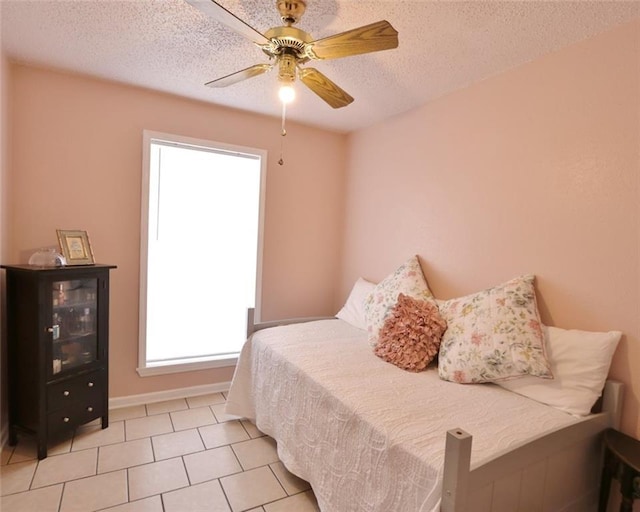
column 170, row 46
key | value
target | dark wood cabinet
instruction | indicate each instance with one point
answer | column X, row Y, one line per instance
column 58, row 349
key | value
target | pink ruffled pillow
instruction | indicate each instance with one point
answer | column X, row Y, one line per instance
column 410, row 336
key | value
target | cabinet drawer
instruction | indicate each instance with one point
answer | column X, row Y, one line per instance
column 73, row 415
column 83, row 388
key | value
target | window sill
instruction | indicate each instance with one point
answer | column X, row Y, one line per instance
column 183, row 366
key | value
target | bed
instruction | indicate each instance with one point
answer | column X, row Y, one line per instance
column 369, row 436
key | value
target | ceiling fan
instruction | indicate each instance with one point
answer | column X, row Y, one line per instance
column 290, row 48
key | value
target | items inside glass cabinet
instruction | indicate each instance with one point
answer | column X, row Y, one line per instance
column 74, row 306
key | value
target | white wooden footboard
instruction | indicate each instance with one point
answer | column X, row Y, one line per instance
column 554, row 473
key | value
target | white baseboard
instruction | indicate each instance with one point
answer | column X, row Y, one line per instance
column 169, row 394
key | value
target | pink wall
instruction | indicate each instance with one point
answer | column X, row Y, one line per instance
column 532, row 171
column 77, row 160
column 4, row 232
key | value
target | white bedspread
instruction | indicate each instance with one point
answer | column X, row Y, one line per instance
column 367, row 435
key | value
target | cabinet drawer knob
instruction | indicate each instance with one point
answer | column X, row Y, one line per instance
column 65, row 419
column 66, row 393
column 90, row 409
column 90, row 384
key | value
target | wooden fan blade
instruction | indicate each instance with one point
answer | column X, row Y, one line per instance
column 238, row 76
column 217, row 12
column 370, row 38
column 324, row 88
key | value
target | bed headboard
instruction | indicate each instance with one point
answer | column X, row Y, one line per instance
column 611, row 402
column 253, row 326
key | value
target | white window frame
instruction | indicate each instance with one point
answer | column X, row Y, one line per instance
column 148, row 137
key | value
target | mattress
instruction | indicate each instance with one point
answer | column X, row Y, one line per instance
column 367, row 435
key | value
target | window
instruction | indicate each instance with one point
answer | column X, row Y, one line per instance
column 201, row 249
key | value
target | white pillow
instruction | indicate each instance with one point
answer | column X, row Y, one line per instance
column 353, row 310
column 580, row 363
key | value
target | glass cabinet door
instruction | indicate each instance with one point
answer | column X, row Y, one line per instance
column 74, row 306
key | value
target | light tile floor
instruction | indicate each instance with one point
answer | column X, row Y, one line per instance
column 182, row 455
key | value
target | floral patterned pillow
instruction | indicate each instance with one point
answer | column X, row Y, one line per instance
column 493, row 335
column 410, row 336
column 407, row 279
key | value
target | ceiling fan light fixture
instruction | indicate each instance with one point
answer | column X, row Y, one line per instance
column 286, row 68
column 286, row 93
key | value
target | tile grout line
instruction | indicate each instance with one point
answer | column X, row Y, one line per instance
column 153, row 450
column 64, row 485
column 237, row 458
column 33, row 477
column 97, row 459
column 277, row 479
column 245, row 428
column 186, row 471
column 173, row 428
column 214, row 415
column 202, row 438
column 128, row 487
column 73, row 438
column 225, row 493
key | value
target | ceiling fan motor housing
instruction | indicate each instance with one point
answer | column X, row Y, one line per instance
column 287, row 40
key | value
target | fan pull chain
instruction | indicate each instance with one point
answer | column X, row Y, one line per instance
column 283, row 133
